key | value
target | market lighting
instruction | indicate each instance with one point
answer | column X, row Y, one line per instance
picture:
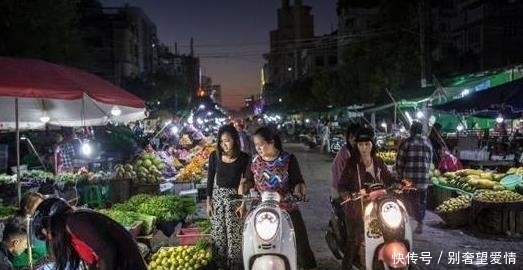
column 45, row 118
column 202, row 106
column 190, row 119
column 459, row 128
column 499, row 119
column 419, row 114
column 307, row 120
column 86, row 149
column 383, row 124
column 465, row 92
column 199, row 121
column 174, row 130
column 116, row 111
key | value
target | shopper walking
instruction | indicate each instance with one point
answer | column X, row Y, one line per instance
column 228, row 165
column 413, row 163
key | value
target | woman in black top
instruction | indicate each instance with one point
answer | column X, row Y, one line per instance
column 227, row 170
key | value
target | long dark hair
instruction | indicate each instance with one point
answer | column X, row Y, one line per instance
column 66, row 257
column 270, row 136
column 236, row 146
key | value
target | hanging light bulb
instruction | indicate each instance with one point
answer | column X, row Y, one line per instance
column 459, row 128
column 500, row 119
column 45, row 117
column 86, row 148
column 116, row 111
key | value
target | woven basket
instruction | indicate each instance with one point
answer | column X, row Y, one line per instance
column 457, row 218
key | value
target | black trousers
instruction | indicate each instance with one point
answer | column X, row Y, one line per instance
column 354, row 227
column 304, row 252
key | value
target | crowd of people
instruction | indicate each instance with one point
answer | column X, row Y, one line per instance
column 242, row 161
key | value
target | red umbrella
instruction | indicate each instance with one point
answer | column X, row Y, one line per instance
column 34, row 92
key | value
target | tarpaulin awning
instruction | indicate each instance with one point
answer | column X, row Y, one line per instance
column 504, row 97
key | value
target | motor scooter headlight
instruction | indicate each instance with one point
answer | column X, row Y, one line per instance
column 266, row 224
column 391, row 214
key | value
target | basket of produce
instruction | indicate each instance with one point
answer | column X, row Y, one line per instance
column 198, row 256
column 455, row 212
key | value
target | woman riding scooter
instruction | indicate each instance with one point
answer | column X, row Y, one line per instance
column 368, row 167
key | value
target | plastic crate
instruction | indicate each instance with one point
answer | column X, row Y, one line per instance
column 190, row 236
column 183, row 186
column 136, row 229
column 457, row 218
column 193, row 193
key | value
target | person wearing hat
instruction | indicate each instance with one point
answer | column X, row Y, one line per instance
column 82, row 236
column 413, row 164
column 363, row 167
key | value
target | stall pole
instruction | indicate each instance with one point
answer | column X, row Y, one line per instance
column 17, row 134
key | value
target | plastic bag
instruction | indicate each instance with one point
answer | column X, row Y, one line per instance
column 449, row 163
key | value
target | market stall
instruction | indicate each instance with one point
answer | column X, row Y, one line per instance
column 486, row 201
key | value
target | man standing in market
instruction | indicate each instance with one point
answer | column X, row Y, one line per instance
column 413, row 164
column 65, row 152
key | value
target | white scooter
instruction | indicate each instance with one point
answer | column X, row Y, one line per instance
column 269, row 241
column 387, row 230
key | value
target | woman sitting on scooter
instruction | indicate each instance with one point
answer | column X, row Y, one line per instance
column 366, row 166
column 277, row 170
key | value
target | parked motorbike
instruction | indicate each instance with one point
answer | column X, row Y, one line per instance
column 336, row 143
column 336, row 230
column 269, row 241
column 387, row 230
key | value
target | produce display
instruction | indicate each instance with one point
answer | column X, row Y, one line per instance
column 148, row 168
column 163, row 207
column 389, row 157
column 192, row 171
column 204, row 225
column 7, row 179
column 7, row 210
column 128, row 219
column 469, row 180
column 124, row 171
column 185, row 140
column 454, row 204
column 181, row 257
column 498, row 196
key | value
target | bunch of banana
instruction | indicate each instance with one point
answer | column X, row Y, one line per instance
column 499, row 196
column 454, row 204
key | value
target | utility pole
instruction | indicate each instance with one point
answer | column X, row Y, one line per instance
column 425, row 51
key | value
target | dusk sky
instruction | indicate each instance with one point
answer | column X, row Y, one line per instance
column 230, row 36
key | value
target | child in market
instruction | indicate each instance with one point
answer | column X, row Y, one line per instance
column 14, row 241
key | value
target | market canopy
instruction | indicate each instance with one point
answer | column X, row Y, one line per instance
column 504, row 98
column 66, row 95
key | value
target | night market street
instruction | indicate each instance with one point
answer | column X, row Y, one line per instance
column 436, row 239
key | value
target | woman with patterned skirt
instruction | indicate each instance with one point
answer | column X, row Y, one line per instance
column 227, row 167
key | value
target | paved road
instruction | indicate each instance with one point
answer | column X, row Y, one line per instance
column 435, row 240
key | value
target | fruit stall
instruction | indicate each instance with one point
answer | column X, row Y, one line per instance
column 489, row 202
